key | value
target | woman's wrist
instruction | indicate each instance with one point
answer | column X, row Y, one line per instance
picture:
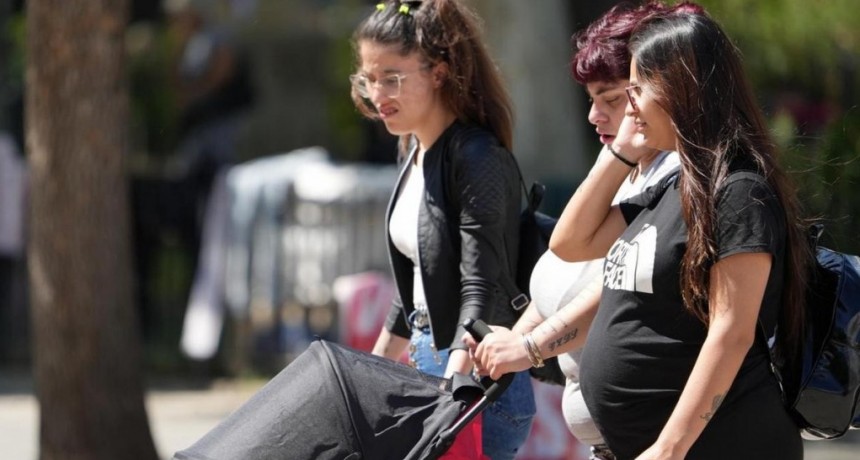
column 532, row 351
column 621, row 158
column 459, row 362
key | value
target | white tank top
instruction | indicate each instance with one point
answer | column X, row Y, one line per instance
column 403, row 227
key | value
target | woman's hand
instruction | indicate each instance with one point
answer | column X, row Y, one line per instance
column 501, row 352
column 628, row 143
column 655, row 452
column 458, row 362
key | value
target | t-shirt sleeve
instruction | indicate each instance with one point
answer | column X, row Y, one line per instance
column 631, row 207
column 749, row 217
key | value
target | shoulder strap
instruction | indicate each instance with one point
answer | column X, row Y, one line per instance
column 519, row 299
column 814, row 235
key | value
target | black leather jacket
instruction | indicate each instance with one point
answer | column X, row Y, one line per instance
column 468, row 231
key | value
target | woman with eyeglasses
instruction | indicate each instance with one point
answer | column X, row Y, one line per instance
column 453, row 220
column 700, row 270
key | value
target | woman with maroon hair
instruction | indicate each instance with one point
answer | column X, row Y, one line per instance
column 566, row 295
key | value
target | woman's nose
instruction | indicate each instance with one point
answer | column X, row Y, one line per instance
column 630, row 109
column 595, row 115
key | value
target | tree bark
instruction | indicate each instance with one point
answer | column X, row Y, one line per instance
column 86, row 347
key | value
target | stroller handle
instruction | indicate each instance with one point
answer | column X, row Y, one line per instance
column 494, row 388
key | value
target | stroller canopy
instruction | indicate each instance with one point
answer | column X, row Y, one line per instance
column 332, row 402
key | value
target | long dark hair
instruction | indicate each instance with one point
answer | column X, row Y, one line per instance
column 696, row 75
column 445, row 31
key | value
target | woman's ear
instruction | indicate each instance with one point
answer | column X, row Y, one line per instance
column 439, row 74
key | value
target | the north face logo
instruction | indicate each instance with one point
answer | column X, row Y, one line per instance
column 630, row 266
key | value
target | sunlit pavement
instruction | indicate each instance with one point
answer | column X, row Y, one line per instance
column 179, row 416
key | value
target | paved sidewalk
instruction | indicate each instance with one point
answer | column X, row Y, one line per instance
column 180, row 414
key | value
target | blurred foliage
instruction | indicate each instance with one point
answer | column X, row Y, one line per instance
column 154, row 111
column 351, row 139
column 14, row 36
column 802, row 57
column 797, row 42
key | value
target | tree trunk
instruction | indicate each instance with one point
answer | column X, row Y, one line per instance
column 86, row 347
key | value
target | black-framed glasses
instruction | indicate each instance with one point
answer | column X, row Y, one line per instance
column 389, row 85
column 631, row 90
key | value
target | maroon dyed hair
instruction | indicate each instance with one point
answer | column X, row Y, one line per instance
column 601, row 49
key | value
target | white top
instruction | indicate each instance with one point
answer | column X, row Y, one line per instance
column 554, row 283
column 403, row 227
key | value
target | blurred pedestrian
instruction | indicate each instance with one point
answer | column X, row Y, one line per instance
column 212, row 83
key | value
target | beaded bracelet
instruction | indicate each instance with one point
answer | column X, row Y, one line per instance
column 621, row 158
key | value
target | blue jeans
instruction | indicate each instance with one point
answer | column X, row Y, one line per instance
column 506, row 422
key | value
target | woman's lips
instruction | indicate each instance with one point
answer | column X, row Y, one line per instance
column 606, row 138
column 386, row 111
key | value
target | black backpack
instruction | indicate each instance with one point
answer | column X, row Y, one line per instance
column 821, row 388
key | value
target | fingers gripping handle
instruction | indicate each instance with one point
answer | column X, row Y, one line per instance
column 477, row 328
column 494, row 388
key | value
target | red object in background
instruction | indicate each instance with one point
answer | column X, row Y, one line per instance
column 363, row 303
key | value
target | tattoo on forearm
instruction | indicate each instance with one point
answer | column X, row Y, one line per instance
column 563, row 340
column 718, row 399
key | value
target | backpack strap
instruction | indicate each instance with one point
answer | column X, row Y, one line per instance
column 519, row 299
column 814, row 235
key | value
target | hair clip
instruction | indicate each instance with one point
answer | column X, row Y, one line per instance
column 380, row 6
column 404, row 9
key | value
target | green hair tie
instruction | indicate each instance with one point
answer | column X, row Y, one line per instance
column 404, row 8
column 380, row 6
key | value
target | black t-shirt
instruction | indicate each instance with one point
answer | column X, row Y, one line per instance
column 643, row 343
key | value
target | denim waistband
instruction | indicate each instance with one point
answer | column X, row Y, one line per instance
column 419, row 317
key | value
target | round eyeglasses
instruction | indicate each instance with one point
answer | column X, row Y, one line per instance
column 389, row 85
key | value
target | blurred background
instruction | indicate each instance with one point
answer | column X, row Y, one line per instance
column 257, row 192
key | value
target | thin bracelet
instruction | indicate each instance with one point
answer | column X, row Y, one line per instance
column 534, row 351
column 621, row 158
column 530, row 352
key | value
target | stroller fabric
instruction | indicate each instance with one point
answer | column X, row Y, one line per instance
column 332, row 402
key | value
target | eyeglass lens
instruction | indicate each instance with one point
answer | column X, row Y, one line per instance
column 388, row 85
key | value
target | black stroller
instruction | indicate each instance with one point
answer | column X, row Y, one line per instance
column 332, row 402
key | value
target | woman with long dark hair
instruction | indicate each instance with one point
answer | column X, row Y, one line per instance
column 565, row 295
column 701, row 270
column 453, row 220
